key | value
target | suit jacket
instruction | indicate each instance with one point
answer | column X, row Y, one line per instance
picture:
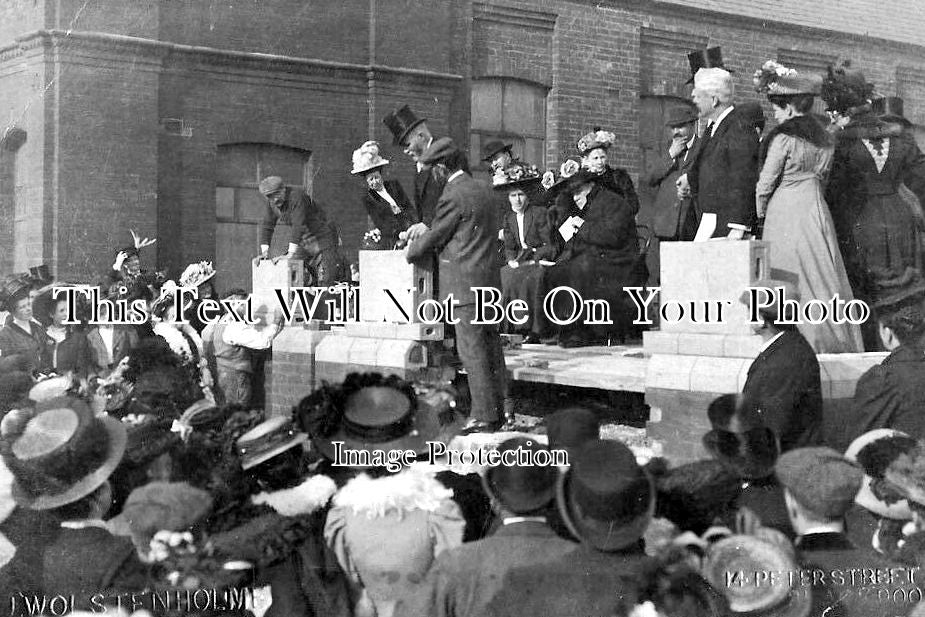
column 124, row 339
column 380, row 211
column 890, row 395
column 784, row 380
column 536, row 233
column 463, row 580
column 668, row 212
column 427, row 190
column 464, row 234
column 724, row 174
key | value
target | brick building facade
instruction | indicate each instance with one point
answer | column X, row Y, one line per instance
column 160, row 115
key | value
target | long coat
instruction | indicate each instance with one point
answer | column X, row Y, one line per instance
column 670, row 217
column 724, row 174
column 35, row 345
column 380, row 212
column 784, row 381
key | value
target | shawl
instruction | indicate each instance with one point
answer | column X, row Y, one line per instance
column 803, row 127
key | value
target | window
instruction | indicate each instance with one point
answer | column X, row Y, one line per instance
column 510, row 110
column 654, row 137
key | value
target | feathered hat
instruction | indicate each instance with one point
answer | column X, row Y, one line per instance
column 844, row 89
column 197, row 274
column 367, row 158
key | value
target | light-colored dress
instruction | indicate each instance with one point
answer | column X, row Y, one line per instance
column 799, row 228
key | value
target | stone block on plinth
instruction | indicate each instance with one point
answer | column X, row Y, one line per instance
column 390, row 288
column 267, row 277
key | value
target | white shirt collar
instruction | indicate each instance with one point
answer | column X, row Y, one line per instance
column 771, row 340
column 421, row 165
column 720, row 118
column 455, row 174
column 836, row 527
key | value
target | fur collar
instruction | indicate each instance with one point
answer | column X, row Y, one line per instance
column 300, row 500
column 868, row 126
column 405, row 491
column 803, row 127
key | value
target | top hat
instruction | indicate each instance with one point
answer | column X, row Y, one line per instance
column 679, row 116
column 266, row 440
column 62, row 453
column 367, row 158
column 515, row 175
column 401, row 122
column 571, row 428
column 739, row 437
column 874, row 451
column 605, row 498
column 710, row 58
column 890, row 109
column 494, row 148
column 439, row 150
column 741, row 553
column 521, row 489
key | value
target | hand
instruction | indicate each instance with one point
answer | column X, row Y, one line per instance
column 140, row 243
column 549, row 178
column 120, row 259
column 676, row 148
column 512, row 263
column 278, row 258
column 416, row 231
column 684, row 187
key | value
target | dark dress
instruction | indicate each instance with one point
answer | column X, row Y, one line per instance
column 389, row 223
column 525, row 281
column 597, row 262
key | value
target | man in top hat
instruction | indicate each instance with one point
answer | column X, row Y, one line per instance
column 313, row 238
column 463, row 580
column 784, row 379
column 464, row 235
column 820, row 486
column 607, row 502
column 892, row 394
column 723, row 175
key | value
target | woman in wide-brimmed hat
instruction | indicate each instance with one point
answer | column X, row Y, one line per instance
column 389, row 209
column 795, row 161
column 385, row 526
column 23, row 335
column 877, row 230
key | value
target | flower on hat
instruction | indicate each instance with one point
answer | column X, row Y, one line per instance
column 766, row 78
column 196, row 274
column 367, row 157
column 515, row 172
column 596, row 139
column 569, row 168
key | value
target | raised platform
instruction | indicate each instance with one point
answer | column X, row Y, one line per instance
column 618, row 368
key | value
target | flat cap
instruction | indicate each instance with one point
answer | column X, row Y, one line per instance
column 821, row 479
column 270, row 185
column 438, row 151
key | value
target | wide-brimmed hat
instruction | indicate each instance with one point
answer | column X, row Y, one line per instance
column 515, row 175
column 521, row 488
column 367, row 158
column 845, row 89
column 62, row 454
column 401, row 122
column 679, row 116
column 749, row 555
column 494, row 148
column 710, row 58
column 874, row 451
column 266, row 440
column 911, row 297
column 905, row 474
column 439, row 150
column 569, row 429
column 890, row 109
column 739, row 438
column 605, row 498
column 775, row 79
column 51, row 388
column 196, row 274
column 594, row 140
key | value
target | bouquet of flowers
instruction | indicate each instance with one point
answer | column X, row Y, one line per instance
column 765, row 78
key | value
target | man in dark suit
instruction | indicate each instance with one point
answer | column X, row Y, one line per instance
column 784, row 380
column 723, row 176
column 464, row 236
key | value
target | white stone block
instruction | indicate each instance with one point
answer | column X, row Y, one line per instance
column 390, row 288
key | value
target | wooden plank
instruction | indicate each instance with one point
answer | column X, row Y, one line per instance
column 617, row 368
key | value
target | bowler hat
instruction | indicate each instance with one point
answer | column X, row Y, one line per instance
column 266, row 440
column 890, row 109
column 438, row 151
column 605, row 498
column 874, row 451
column 739, row 437
column 679, row 116
column 571, row 428
column 831, row 487
column 62, row 453
column 401, row 122
column 710, row 58
column 521, row 488
column 494, row 148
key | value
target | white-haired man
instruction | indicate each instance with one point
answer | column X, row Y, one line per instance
column 722, row 178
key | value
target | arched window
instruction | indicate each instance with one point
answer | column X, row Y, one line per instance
column 239, row 206
column 513, row 111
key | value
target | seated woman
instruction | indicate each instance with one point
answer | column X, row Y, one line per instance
column 526, row 242
column 593, row 149
column 599, row 252
column 385, row 201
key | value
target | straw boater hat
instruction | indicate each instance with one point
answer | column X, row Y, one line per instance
column 268, row 439
column 875, row 450
column 197, row 274
column 367, row 158
column 62, row 453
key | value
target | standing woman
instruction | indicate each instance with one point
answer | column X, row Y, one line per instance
column 385, row 201
column 23, row 335
column 795, row 161
column 877, row 231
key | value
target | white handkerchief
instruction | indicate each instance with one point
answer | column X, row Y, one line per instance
column 707, row 227
column 567, row 229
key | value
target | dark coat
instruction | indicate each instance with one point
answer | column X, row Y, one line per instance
column 890, row 395
column 34, row 345
column 310, row 226
column 380, row 212
column 784, row 380
column 617, row 180
column 536, row 233
column 124, row 339
column 73, row 354
column 580, row 582
column 463, row 580
column 464, row 234
column 724, row 174
column 669, row 215
column 765, row 498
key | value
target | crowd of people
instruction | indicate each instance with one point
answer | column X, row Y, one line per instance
column 143, row 472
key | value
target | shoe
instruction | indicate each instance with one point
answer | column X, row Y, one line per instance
column 479, row 426
column 532, row 339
